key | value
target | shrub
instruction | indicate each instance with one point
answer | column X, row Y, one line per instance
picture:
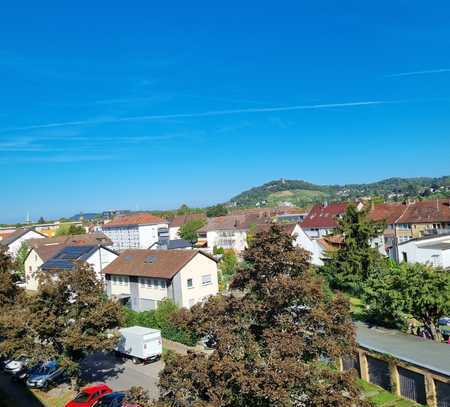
column 160, row 319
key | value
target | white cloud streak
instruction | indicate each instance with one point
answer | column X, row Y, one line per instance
column 414, row 73
column 211, row 113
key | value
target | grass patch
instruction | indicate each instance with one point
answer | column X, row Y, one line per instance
column 357, row 308
column 57, row 398
column 382, row 398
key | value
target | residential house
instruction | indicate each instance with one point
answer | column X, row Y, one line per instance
column 97, row 256
column 179, row 220
column 411, row 220
column 143, row 278
column 136, row 231
column 176, row 244
column 431, row 250
column 321, row 219
column 300, row 239
column 14, row 241
column 41, row 250
column 230, row 232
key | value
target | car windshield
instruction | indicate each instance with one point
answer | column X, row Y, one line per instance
column 43, row 369
column 82, row 397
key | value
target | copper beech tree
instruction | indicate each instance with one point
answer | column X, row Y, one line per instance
column 66, row 319
column 275, row 344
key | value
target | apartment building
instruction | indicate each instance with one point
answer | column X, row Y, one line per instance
column 136, row 231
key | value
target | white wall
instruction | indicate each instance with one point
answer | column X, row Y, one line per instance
column 148, row 234
column 99, row 260
column 14, row 247
column 304, row 241
column 228, row 239
column 32, row 264
column 199, row 266
column 174, row 233
column 423, row 254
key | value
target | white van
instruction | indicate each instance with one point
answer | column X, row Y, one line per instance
column 140, row 344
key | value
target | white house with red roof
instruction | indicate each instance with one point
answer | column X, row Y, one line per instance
column 321, row 219
column 136, row 231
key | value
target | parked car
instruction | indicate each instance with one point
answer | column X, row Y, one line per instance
column 114, row 399
column 44, row 374
column 17, row 368
column 88, row 396
column 140, row 344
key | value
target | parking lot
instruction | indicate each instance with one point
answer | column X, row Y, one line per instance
column 122, row 374
column 119, row 374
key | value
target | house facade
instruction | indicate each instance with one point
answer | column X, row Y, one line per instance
column 143, row 278
column 321, row 219
column 230, row 232
column 56, row 258
column 431, row 250
column 13, row 242
column 136, row 231
column 300, row 239
column 179, row 220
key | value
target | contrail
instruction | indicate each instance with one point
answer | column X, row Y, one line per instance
column 430, row 71
column 200, row 114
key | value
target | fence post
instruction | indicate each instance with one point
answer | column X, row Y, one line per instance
column 395, row 378
column 430, row 389
column 364, row 367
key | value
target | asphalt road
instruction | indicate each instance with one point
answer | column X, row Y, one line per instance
column 102, row 367
column 122, row 374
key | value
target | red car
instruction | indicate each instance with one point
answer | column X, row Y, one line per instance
column 89, row 395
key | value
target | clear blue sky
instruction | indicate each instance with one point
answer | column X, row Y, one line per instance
column 142, row 105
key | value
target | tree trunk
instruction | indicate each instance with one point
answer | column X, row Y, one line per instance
column 435, row 333
column 74, row 384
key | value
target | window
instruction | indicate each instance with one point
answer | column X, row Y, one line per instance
column 405, row 257
column 119, row 280
column 163, row 284
column 189, row 283
column 30, row 269
column 206, row 279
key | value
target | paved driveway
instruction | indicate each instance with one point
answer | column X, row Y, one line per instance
column 122, row 374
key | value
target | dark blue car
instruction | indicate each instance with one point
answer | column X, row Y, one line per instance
column 114, row 399
column 44, row 374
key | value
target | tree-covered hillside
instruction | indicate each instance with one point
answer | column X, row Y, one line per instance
column 302, row 193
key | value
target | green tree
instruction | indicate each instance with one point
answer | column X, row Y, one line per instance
column 401, row 291
column 20, row 261
column 41, row 220
column 349, row 266
column 68, row 318
column 216, row 210
column 188, row 231
column 67, row 229
column 183, row 210
column 271, row 342
column 227, row 268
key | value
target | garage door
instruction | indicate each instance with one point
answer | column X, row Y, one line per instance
column 442, row 393
column 379, row 373
column 412, row 385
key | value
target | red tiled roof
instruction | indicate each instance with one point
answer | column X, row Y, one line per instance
column 134, row 219
column 435, row 210
column 235, row 222
column 324, row 216
column 180, row 220
column 151, row 263
column 389, row 212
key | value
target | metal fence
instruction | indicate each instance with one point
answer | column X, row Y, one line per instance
column 379, row 373
column 442, row 393
column 412, row 385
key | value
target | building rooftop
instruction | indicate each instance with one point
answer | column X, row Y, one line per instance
column 324, row 216
column 134, row 219
column 180, row 220
column 66, row 258
column 152, row 263
column 420, row 352
column 18, row 233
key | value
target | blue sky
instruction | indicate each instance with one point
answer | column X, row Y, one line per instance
column 142, row 105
